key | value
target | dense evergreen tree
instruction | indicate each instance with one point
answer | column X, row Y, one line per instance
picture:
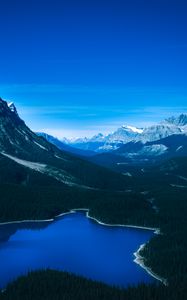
column 54, row 285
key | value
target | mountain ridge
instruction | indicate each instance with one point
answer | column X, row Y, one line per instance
column 19, row 144
column 110, row 142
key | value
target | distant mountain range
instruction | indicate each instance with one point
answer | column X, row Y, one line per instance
column 140, row 154
column 24, row 150
column 129, row 144
column 64, row 145
column 145, row 183
column 62, row 159
column 125, row 134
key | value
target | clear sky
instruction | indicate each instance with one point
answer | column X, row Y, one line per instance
column 75, row 67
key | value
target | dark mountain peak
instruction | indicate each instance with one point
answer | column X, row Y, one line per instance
column 18, row 144
column 1, row 100
column 3, row 105
column 8, row 113
column 15, row 136
column 180, row 120
column 12, row 107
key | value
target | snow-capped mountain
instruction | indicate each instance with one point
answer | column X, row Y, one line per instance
column 122, row 135
column 157, row 132
column 112, row 141
column 12, row 107
column 21, row 148
column 126, row 134
column 134, row 129
column 21, row 145
column 142, row 154
column 98, row 138
column 62, row 145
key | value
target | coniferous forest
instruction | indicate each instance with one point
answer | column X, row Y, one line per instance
column 165, row 253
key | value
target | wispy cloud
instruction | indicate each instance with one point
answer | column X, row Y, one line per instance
column 87, row 110
column 139, row 118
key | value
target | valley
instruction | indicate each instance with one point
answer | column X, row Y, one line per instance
column 39, row 181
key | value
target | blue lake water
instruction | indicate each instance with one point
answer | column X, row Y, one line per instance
column 75, row 244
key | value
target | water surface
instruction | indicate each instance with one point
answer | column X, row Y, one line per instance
column 75, row 244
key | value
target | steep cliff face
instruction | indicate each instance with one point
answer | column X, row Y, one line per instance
column 22, row 146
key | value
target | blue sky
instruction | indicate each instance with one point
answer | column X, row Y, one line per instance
column 75, row 68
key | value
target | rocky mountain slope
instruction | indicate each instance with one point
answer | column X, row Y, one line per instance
column 125, row 134
column 64, row 146
column 23, row 147
column 139, row 155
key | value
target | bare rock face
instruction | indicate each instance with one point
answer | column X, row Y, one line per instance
column 12, row 107
column 15, row 136
column 180, row 120
column 20, row 145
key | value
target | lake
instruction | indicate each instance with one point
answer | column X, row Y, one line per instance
column 76, row 244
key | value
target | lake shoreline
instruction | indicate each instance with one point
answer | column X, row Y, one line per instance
column 138, row 258
column 156, row 230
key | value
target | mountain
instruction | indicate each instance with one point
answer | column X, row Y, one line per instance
column 12, row 107
column 140, row 154
column 23, row 147
column 112, row 141
column 87, row 144
column 106, row 143
column 173, row 145
column 123, row 134
column 98, row 138
column 64, row 146
column 157, row 132
column 180, row 120
column 40, row 181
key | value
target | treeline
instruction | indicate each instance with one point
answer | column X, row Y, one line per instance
column 26, row 194
column 43, row 198
column 54, row 285
column 166, row 253
column 18, row 202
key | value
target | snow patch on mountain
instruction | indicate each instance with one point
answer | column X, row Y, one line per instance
column 153, row 150
column 32, row 165
column 58, row 174
column 127, row 174
column 178, row 186
column 78, row 140
column 158, row 132
column 42, row 147
column 108, row 147
column 98, row 138
column 182, row 177
column 12, row 107
column 134, row 129
column 122, row 135
column 127, row 133
column 179, row 148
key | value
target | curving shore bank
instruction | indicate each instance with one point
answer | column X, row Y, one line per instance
column 140, row 261
column 138, row 258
